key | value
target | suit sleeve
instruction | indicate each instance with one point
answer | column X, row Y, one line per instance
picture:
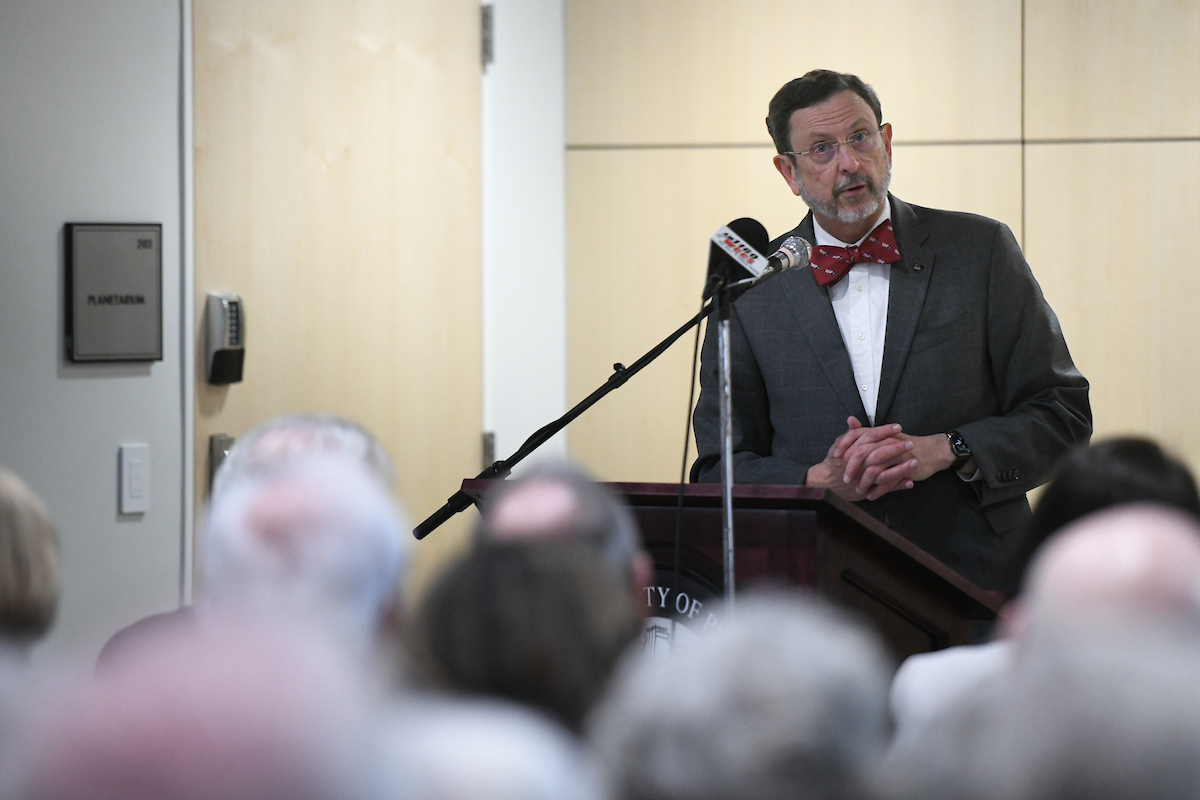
column 752, row 430
column 1042, row 397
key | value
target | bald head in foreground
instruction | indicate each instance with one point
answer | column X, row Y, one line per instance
column 561, row 501
column 1138, row 559
column 1098, row 699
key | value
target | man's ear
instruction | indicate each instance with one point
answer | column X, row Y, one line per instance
column 787, row 168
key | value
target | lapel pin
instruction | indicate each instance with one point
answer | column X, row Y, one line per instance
column 918, row 267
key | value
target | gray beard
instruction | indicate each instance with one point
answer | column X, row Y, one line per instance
column 830, row 208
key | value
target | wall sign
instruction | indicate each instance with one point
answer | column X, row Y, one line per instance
column 114, row 292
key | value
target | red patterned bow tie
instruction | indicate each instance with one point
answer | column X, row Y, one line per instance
column 830, row 263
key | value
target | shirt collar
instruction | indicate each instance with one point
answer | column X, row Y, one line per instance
column 823, row 237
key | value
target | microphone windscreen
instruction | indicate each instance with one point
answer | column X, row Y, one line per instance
column 722, row 266
column 799, row 251
column 753, row 232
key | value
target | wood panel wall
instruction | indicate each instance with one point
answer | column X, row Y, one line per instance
column 1076, row 123
column 337, row 163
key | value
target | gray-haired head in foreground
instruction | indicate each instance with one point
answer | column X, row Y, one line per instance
column 560, row 500
column 266, row 446
column 787, row 700
column 317, row 539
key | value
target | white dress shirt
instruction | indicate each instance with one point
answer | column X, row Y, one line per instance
column 860, row 303
column 929, row 686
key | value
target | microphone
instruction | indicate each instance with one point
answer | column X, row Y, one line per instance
column 734, row 252
column 794, row 252
column 735, row 242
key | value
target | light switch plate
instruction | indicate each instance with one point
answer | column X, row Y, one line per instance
column 135, row 478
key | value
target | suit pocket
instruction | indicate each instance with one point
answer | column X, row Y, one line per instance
column 940, row 334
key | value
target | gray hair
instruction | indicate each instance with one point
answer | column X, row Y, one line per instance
column 317, row 537
column 787, row 700
column 593, row 515
column 265, row 446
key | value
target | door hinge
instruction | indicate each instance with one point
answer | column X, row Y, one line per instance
column 486, row 29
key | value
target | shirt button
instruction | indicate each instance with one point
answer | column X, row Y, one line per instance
column 858, row 287
column 862, row 336
column 864, row 387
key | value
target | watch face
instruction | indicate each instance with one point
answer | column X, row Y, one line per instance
column 957, row 444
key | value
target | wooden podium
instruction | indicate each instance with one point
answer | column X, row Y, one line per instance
column 796, row 536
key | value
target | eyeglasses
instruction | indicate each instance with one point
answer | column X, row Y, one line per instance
column 864, row 142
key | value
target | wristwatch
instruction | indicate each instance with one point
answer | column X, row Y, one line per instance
column 962, row 452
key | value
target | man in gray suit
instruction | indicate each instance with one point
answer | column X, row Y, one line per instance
column 915, row 369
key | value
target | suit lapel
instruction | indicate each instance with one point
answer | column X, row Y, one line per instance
column 814, row 313
column 906, row 295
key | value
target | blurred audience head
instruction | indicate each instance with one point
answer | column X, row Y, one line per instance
column 542, row 623
column 1134, row 559
column 561, row 501
column 1102, row 714
column 1109, row 473
column 29, row 564
column 1107, row 597
column 483, row 750
column 787, row 700
column 316, row 538
column 238, row 712
column 282, row 439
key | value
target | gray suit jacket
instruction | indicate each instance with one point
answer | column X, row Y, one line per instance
column 971, row 345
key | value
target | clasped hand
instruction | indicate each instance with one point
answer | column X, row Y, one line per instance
column 867, row 463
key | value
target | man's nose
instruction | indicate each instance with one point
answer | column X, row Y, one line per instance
column 847, row 159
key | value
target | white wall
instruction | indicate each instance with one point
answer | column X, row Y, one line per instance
column 524, row 226
column 90, row 131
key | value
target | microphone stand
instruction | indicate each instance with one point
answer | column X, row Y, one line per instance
column 722, row 300
column 461, row 500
